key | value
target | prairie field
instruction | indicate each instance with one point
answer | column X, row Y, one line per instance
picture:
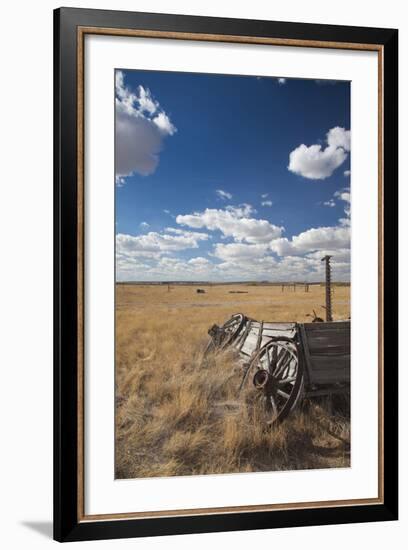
column 171, row 417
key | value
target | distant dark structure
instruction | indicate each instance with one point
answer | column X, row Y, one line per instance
column 293, row 285
column 200, row 291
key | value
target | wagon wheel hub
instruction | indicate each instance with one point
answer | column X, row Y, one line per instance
column 261, row 379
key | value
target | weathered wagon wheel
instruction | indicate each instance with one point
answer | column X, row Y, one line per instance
column 225, row 335
column 276, row 376
column 231, row 329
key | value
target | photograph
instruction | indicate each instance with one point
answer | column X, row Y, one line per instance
column 232, row 273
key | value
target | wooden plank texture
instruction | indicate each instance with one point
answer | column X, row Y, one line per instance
column 330, row 370
column 334, row 326
column 327, row 352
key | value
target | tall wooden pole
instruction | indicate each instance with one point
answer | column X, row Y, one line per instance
column 329, row 316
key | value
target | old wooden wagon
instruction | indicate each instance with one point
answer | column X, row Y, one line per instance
column 285, row 362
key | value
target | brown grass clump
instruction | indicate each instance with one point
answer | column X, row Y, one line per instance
column 177, row 413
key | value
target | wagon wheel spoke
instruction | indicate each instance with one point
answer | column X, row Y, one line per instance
column 285, row 371
column 274, row 358
column 268, row 361
column 281, row 357
column 274, row 406
column 283, row 394
column 282, row 367
column 286, row 381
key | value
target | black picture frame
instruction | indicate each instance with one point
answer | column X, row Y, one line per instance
column 68, row 525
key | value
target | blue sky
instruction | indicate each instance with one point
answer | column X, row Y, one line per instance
column 224, row 177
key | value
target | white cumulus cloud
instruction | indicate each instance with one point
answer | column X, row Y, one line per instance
column 239, row 251
column 164, row 124
column 141, row 126
column 313, row 162
column 319, row 238
column 322, row 237
column 339, row 137
column 344, row 195
column 154, row 245
column 249, row 249
column 233, row 222
column 266, row 203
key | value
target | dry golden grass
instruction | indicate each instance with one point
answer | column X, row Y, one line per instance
column 177, row 413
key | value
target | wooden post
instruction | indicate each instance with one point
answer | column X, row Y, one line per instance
column 329, row 316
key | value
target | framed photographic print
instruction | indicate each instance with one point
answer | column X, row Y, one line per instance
column 225, row 274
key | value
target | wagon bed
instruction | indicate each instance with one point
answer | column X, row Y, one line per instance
column 286, row 361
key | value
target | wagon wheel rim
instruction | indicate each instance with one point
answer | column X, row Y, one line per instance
column 277, row 366
column 232, row 328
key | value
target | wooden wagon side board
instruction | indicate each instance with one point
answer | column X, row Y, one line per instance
column 255, row 334
column 326, row 349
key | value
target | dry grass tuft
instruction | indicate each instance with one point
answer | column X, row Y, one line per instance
column 178, row 414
